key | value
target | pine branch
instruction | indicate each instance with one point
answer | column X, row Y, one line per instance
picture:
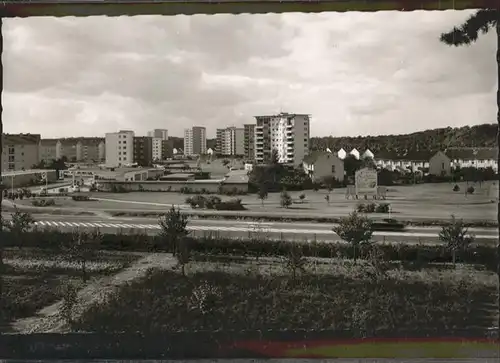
column 481, row 22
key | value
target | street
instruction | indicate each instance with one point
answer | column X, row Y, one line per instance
column 246, row 229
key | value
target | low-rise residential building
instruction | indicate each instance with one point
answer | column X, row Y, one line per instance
column 319, row 165
column 444, row 162
column 20, row 151
column 28, row 178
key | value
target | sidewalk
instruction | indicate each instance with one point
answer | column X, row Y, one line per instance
column 48, row 320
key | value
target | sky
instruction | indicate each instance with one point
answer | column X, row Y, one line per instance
column 355, row 73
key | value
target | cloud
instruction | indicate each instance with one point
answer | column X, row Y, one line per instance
column 356, row 73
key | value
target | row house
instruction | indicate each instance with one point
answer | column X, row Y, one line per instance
column 404, row 163
column 444, row 162
column 20, row 151
column 342, row 154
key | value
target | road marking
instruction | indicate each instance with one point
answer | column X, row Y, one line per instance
column 234, row 229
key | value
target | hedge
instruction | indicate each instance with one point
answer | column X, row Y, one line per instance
column 259, row 247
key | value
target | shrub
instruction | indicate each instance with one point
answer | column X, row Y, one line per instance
column 69, row 299
column 470, row 190
column 233, row 204
column 212, row 202
column 383, row 208
column 43, row 202
column 80, row 198
column 186, row 190
column 198, row 201
column 456, row 188
column 285, row 199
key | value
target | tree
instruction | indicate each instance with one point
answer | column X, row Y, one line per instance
column 482, row 21
column 285, row 199
column 302, row 197
column 354, row 229
column 20, row 224
column 173, row 234
column 275, row 159
column 262, row 193
column 84, row 246
column 295, row 260
column 456, row 237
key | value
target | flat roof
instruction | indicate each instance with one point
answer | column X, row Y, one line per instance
column 58, row 8
column 26, row 172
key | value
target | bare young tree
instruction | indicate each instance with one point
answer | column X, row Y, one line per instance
column 84, row 247
column 355, row 230
column 262, row 194
column 173, row 235
column 456, row 237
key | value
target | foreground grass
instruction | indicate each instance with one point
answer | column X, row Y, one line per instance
column 33, row 278
column 261, row 296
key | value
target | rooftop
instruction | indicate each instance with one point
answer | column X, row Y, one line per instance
column 25, row 172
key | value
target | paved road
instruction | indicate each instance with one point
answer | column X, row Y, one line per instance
column 245, row 229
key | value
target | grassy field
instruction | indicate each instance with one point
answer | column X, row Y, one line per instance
column 435, row 201
column 330, row 295
column 33, row 278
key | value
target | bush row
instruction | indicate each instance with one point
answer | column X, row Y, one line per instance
column 373, row 208
column 214, row 202
column 256, row 246
column 43, row 202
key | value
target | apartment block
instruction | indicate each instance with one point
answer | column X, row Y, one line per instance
column 195, row 141
column 249, row 141
column 90, row 149
column 119, row 148
column 48, row 150
column 159, row 134
column 230, row 141
column 20, row 151
column 286, row 133
column 67, row 148
column 143, row 150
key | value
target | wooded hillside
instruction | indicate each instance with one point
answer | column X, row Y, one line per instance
column 428, row 140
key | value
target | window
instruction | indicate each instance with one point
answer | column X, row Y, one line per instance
column 11, row 150
column 442, row 166
column 11, row 158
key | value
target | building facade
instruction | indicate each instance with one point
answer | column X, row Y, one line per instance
column 320, row 165
column 90, row 149
column 159, row 134
column 48, row 150
column 67, row 148
column 195, row 141
column 249, row 141
column 119, row 148
column 143, row 150
column 230, row 141
column 286, row 133
column 20, row 151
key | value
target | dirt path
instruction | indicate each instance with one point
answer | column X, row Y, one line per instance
column 48, row 320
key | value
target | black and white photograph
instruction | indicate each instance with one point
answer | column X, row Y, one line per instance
column 281, row 172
